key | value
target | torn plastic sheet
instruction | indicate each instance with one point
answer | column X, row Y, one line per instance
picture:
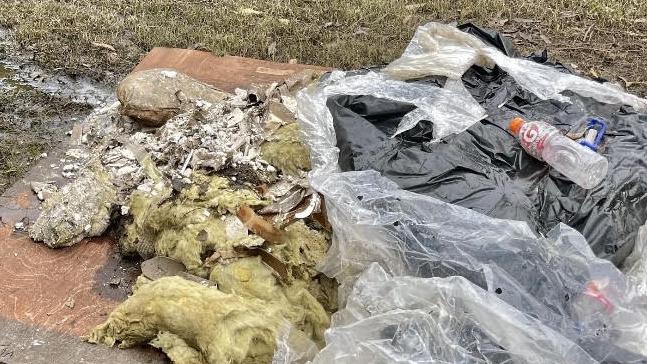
column 635, row 266
column 445, row 320
column 293, row 347
column 556, row 280
column 485, row 169
column 450, row 110
column 439, row 49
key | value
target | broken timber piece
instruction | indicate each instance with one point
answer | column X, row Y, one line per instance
column 260, row 226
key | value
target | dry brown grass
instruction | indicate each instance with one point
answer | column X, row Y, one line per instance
column 598, row 35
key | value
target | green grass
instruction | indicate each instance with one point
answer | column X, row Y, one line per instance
column 337, row 33
column 29, row 126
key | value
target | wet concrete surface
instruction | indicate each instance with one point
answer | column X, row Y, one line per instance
column 28, row 344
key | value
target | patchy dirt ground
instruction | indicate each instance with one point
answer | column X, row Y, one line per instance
column 104, row 39
column 37, row 109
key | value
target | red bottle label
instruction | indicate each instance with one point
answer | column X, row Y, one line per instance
column 533, row 136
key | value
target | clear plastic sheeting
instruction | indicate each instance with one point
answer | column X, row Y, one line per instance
column 454, row 285
column 635, row 266
column 555, row 282
column 293, row 347
column 439, row 49
column 450, row 110
column 437, row 320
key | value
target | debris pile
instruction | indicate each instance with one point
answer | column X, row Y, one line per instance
column 221, row 189
column 450, row 243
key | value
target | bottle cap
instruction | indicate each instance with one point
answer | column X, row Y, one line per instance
column 515, row 125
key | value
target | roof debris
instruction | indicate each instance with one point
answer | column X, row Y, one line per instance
column 186, row 194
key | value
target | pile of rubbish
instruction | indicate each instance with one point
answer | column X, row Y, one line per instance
column 370, row 216
column 212, row 189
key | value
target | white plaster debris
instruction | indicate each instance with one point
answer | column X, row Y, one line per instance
column 169, row 74
column 208, row 139
column 221, row 136
column 72, row 167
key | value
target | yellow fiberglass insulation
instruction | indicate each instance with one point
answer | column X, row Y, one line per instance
column 285, row 151
column 193, row 323
column 249, row 277
column 186, row 227
column 238, row 322
column 303, row 249
column 177, row 349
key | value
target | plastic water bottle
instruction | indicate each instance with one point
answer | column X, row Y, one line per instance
column 544, row 142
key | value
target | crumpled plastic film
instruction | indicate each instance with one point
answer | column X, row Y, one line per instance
column 445, row 320
column 563, row 304
column 556, row 279
column 439, row 49
column 293, row 347
column 635, row 266
column 450, row 111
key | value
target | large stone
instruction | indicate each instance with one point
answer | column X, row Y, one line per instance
column 154, row 96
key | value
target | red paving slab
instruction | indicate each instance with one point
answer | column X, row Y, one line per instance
column 226, row 73
column 37, row 282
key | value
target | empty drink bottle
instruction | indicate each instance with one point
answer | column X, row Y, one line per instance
column 544, row 142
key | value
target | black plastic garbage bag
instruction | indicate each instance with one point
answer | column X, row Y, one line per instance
column 485, row 169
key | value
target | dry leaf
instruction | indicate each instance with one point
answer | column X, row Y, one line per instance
column 414, row 7
column 104, row 46
column 500, row 21
column 526, row 21
column 631, row 83
column 284, row 21
column 249, row 11
column 331, row 24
